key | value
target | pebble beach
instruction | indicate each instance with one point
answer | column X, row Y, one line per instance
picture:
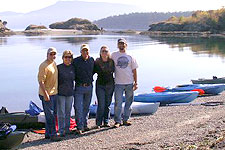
column 171, row 127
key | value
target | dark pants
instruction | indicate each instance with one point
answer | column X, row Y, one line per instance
column 82, row 101
column 104, row 97
column 49, row 108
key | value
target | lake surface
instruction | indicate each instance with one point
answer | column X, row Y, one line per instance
column 162, row 61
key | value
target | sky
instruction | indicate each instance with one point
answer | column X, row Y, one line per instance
column 24, row 6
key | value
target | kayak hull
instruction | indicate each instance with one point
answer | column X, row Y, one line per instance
column 209, row 81
column 22, row 120
column 167, row 97
column 137, row 108
column 212, row 89
column 12, row 140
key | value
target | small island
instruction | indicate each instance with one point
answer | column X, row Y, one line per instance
column 3, row 29
column 69, row 27
column 75, row 23
column 201, row 23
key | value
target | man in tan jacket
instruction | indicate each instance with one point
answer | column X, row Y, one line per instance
column 48, row 84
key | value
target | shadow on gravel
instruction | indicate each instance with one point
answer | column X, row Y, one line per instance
column 43, row 141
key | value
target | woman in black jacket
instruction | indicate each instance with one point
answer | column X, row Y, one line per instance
column 104, row 67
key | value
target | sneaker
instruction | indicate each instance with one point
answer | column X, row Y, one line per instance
column 127, row 123
column 55, row 138
column 86, row 129
column 47, row 137
column 97, row 127
column 69, row 132
column 117, row 125
column 106, row 125
column 62, row 135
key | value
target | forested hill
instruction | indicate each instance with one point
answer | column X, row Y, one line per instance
column 201, row 21
column 137, row 21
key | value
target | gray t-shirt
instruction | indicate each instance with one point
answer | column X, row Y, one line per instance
column 124, row 64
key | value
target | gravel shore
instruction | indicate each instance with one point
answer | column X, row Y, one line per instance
column 171, row 127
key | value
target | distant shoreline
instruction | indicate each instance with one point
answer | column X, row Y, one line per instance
column 55, row 32
column 181, row 34
column 58, row 32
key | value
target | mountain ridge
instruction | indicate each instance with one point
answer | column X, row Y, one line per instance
column 64, row 10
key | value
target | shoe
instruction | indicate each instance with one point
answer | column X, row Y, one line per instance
column 47, row 137
column 117, row 125
column 127, row 123
column 55, row 138
column 69, row 132
column 106, row 125
column 62, row 135
column 97, row 127
column 79, row 132
column 86, row 129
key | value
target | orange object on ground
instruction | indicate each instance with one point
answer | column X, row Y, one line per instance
column 72, row 126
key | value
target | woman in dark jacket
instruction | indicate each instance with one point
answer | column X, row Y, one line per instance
column 66, row 77
column 104, row 67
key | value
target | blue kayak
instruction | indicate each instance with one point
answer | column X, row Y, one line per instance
column 137, row 108
column 212, row 89
column 167, row 97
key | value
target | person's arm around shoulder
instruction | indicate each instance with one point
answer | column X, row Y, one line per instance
column 96, row 66
column 41, row 79
column 112, row 65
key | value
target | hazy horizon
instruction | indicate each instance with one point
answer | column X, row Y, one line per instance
column 41, row 12
column 27, row 6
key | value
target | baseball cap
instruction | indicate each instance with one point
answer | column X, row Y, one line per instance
column 122, row 40
column 51, row 49
column 84, row 46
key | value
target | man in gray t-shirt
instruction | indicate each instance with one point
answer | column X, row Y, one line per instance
column 125, row 81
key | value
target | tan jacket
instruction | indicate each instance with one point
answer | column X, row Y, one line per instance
column 48, row 74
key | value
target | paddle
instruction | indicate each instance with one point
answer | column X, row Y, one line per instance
column 200, row 91
column 159, row 89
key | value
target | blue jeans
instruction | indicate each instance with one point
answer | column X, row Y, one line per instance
column 104, row 97
column 64, row 106
column 129, row 98
column 49, row 108
column 82, row 101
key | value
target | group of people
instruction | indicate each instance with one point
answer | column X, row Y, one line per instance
column 61, row 85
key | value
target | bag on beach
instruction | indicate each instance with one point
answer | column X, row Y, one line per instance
column 33, row 110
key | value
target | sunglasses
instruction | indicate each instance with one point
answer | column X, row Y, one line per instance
column 67, row 57
column 52, row 54
column 105, row 51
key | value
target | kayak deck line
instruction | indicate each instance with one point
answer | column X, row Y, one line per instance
column 216, row 103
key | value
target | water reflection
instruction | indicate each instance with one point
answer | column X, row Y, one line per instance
column 199, row 45
column 73, row 40
column 3, row 41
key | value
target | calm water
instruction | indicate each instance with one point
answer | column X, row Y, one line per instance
column 162, row 61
